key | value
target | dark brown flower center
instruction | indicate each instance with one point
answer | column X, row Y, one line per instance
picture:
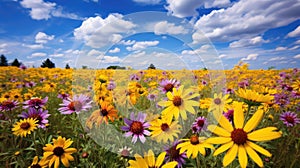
column 200, row 123
column 58, row 151
column 174, row 153
column 194, row 140
column 35, row 102
column 25, row 125
column 37, row 117
column 136, row 127
column 290, row 119
column 177, row 101
column 169, row 87
column 164, row 127
column 239, row 136
column 8, row 104
column 217, row 101
column 104, row 112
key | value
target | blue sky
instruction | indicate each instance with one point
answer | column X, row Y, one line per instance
column 176, row 34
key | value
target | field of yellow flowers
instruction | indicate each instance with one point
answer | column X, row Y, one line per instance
column 149, row 118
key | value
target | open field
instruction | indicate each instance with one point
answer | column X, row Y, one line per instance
column 111, row 118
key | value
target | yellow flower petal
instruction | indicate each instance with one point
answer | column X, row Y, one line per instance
column 160, row 159
column 56, row 164
column 172, row 164
column 238, row 116
column 243, row 160
column 264, row 134
column 254, row 121
column 170, row 96
column 218, row 140
column 150, row 159
column 223, row 148
column 225, row 123
column 253, row 155
column 259, row 149
column 219, row 131
column 230, row 155
column 65, row 161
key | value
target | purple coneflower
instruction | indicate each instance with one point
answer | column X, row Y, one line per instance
column 77, row 104
column 63, row 96
column 199, row 124
column 135, row 77
column 125, row 151
column 173, row 154
column 136, row 127
column 35, row 102
column 39, row 114
column 290, row 119
column 167, row 85
column 30, row 84
column 229, row 115
column 111, row 85
column 23, row 67
column 8, row 105
column 152, row 97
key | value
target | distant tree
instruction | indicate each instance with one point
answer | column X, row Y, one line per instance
column 68, row 66
column 84, row 67
column 271, row 67
column 151, row 66
column 16, row 63
column 3, row 61
column 115, row 67
column 48, row 63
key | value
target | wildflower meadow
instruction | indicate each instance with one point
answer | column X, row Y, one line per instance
column 152, row 118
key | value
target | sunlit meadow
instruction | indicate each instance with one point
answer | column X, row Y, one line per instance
column 149, row 118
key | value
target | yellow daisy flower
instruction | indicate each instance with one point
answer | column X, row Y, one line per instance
column 59, row 151
column 253, row 98
column 149, row 161
column 218, row 102
column 24, row 127
column 238, row 140
column 164, row 129
column 296, row 85
column 38, row 164
column 179, row 102
column 193, row 146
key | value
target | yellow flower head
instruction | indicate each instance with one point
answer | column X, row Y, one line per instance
column 24, row 127
column 238, row 139
column 149, row 161
column 59, row 151
column 254, row 98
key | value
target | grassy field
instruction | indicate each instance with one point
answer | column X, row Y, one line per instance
column 141, row 118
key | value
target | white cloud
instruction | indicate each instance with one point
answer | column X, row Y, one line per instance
column 165, row 27
column 142, row 45
column 183, row 8
column 98, row 32
column 297, row 56
column 248, row 42
column 216, row 3
column 34, row 46
column 37, row 54
column 277, row 58
column 250, row 57
column 150, row 2
column 248, row 18
column 38, row 8
column 43, row 38
column 109, row 59
column 294, row 33
column 94, row 53
column 57, row 55
column 280, row 48
column 202, row 49
column 128, row 42
column 115, row 50
column 222, row 55
column 297, row 42
column 294, row 48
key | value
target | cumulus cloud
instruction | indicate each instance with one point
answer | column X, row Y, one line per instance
column 216, row 3
column 37, row 54
column 98, row 32
column 165, row 27
column 250, row 57
column 142, row 45
column 128, row 42
column 109, row 59
column 294, row 33
column 57, row 55
column 247, row 18
column 115, row 50
column 34, row 46
column 43, row 38
column 149, row 2
column 277, row 58
column 183, row 8
column 297, row 56
column 248, row 42
column 40, row 10
column 280, row 48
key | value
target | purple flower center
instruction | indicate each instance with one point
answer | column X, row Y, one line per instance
column 35, row 102
column 174, row 153
column 136, row 127
column 239, row 136
column 75, row 105
column 169, row 87
column 200, row 123
column 8, row 104
column 290, row 119
column 37, row 117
